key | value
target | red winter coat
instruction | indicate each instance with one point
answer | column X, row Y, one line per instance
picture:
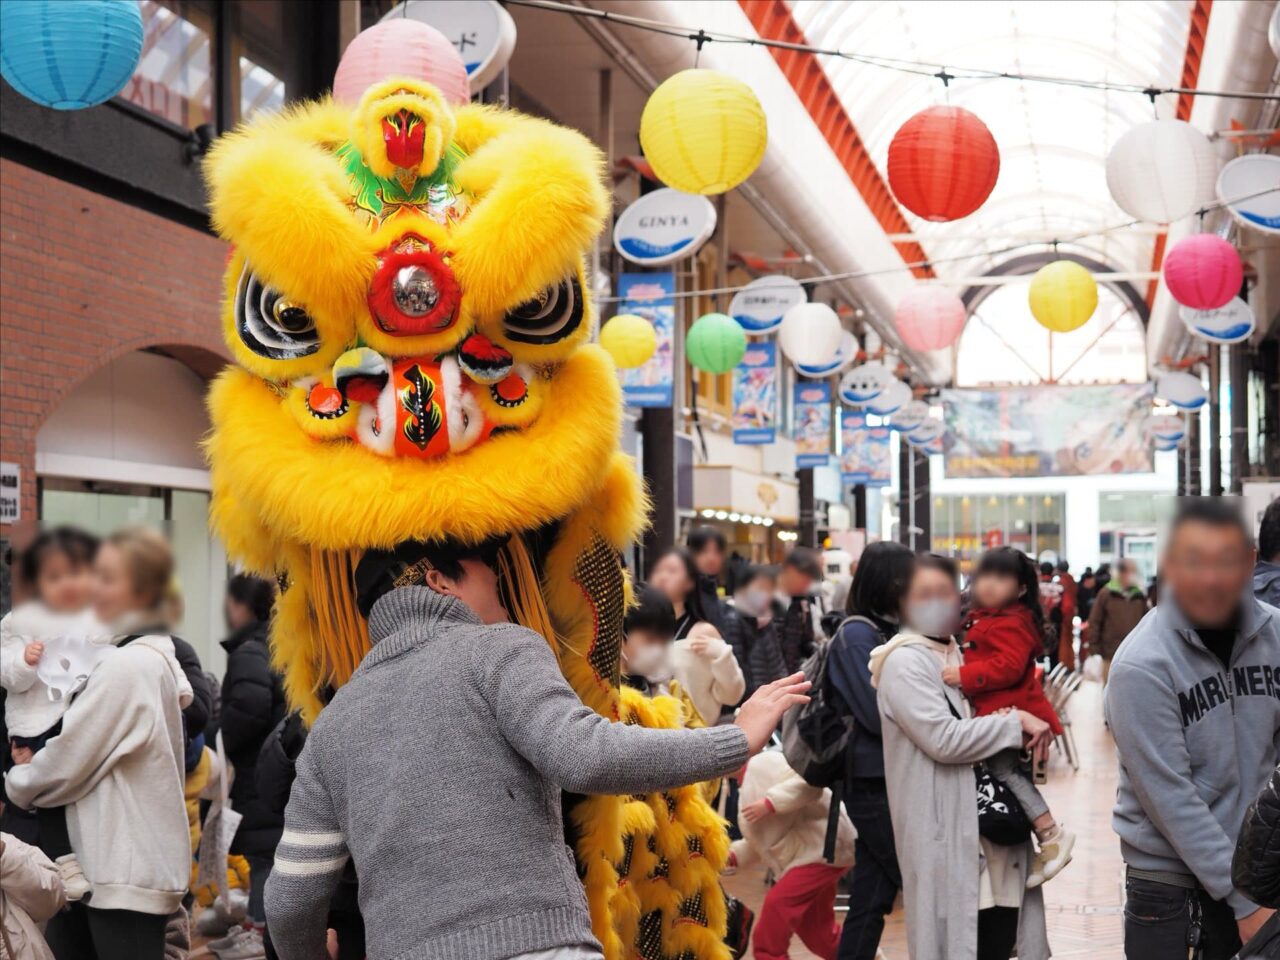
column 1001, row 647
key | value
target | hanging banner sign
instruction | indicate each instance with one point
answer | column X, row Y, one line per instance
column 1249, row 187
column 755, row 394
column 482, row 30
column 1048, row 431
column 10, row 493
column 864, row 451
column 664, row 226
column 1230, row 323
column 812, row 423
column 842, row 361
column 758, row 307
column 649, row 295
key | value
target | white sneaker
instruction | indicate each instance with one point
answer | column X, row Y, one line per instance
column 73, row 880
column 248, row 947
column 229, row 940
column 1054, row 854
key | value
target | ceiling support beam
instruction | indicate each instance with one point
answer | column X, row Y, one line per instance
column 804, row 71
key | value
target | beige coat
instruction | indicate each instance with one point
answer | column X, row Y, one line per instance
column 712, row 679
column 795, row 834
column 32, row 893
column 928, row 766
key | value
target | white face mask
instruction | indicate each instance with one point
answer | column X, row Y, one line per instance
column 934, row 618
column 650, row 662
column 754, row 603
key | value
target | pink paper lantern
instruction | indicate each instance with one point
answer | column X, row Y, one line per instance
column 929, row 318
column 400, row 48
column 1203, row 272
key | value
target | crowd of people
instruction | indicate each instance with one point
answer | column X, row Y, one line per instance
column 121, row 748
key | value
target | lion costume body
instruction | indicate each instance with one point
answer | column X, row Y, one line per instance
column 407, row 307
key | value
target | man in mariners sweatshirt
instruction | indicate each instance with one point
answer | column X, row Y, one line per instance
column 438, row 768
column 1194, row 704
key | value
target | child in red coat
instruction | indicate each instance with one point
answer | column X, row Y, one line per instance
column 1003, row 640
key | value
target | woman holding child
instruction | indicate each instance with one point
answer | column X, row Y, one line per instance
column 965, row 898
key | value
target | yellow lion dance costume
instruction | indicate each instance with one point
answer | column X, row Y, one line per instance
column 407, row 306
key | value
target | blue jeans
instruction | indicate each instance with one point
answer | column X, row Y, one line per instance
column 875, row 880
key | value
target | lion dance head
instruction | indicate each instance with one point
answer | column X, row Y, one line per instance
column 406, row 304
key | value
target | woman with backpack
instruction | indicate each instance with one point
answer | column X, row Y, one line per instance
column 965, row 882
column 873, row 614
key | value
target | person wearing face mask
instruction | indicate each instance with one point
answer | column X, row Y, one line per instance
column 647, row 630
column 931, row 740
column 873, row 610
column 755, row 610
column 1002, row 645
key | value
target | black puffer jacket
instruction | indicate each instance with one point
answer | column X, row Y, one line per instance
column 1256, row 868
column 252, row 704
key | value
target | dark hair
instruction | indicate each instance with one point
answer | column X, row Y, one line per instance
column 78, row 546
column 1213, row 512
column 692, row 599
column 702, row 537
column 253, row 592
column 652, row 611
column 752, row 570
column 1269, row 532
column 1046, row 568
column 934, row 561
column 1010, row 562
column 407, row 564
column 1064, row 567
column 880, row 580
column 804, row 559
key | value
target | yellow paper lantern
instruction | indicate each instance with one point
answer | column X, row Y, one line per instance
column 703, row 131
column 629, row 339
column 1063, row 296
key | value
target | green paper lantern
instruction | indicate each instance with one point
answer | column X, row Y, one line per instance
column 716, row 343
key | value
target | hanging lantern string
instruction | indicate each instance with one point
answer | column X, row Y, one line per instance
column 919, row 68
column 959, row 258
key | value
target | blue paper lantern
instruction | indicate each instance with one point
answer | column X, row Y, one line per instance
column 69, row 54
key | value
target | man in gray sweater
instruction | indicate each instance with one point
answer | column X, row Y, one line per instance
column 438, row 769
column 1194, row 705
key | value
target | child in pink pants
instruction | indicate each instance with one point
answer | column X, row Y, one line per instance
column 784, row 823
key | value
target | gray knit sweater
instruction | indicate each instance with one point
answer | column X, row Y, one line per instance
column 438, row 770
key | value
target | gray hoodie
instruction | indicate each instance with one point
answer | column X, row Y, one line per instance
column 1266, row 582
column 1197, row 742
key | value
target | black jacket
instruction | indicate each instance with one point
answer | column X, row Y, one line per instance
column 1255, row 871
column 758, row 651
column 196, row 716
column 252, row 704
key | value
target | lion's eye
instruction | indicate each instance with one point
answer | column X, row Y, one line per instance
column 271, row 325
column 550, row 316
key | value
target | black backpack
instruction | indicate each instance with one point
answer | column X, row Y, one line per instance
column 816, row 735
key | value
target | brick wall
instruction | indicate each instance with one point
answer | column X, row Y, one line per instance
column 83, row 280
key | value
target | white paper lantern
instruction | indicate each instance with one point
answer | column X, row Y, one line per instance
column 1227, row 324
column 810, row 334
column 1161, row 171
column 864, row 383
column 910, row 417
column 930, row 431
column 894, row 397
column 845, row 355
column 1182, row 390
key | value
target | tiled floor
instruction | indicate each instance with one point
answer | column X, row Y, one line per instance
column 1084, row 902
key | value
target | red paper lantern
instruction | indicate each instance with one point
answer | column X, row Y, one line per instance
column 929, row 318
column 943, row 163
column 1203, row 272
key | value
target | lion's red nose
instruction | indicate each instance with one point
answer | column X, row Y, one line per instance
column 413, row 291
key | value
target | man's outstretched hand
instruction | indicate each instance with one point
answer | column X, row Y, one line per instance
column 761, row 714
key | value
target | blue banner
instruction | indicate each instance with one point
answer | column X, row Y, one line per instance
column 864, row 455
column 812, row 423
column 755, row 394
column 649, row 295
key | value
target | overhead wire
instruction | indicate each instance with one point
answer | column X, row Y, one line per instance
column 943, row 72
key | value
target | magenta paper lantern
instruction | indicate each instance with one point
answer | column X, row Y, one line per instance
column 929, row 318
column 1203, row 272
column 401, row 48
